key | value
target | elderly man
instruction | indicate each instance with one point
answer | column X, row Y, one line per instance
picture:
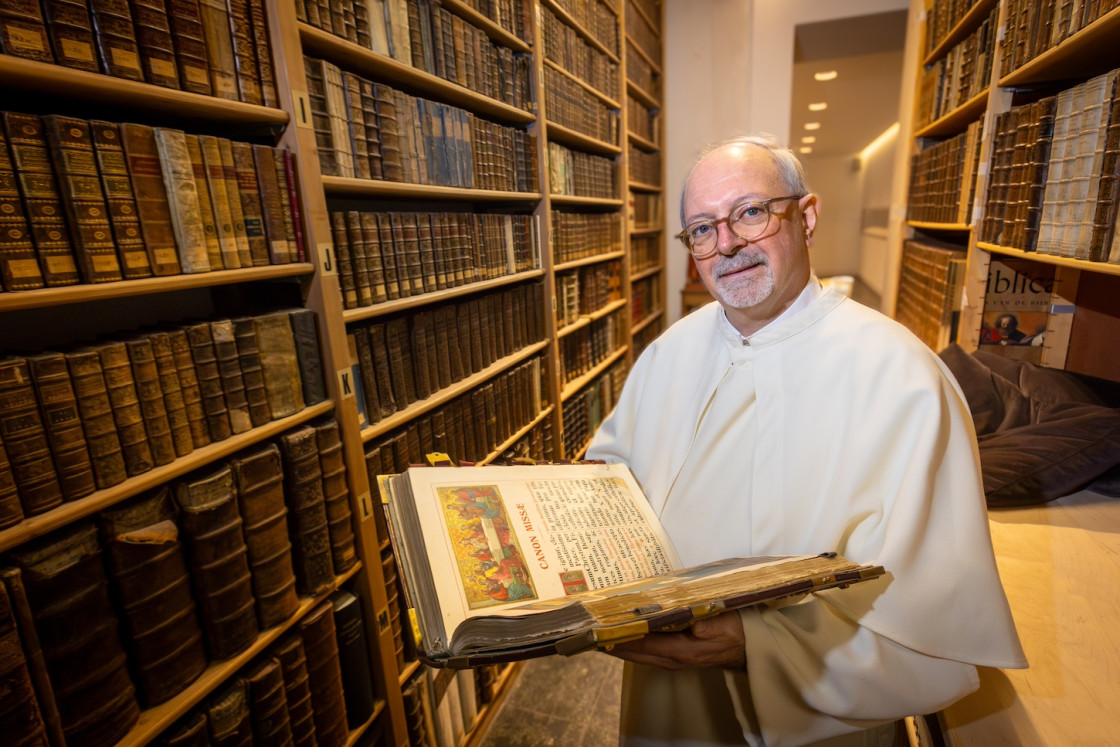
column 785, row 419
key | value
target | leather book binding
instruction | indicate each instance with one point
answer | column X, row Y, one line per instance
column 244, row 52
column 297, row 690
column 25, row 439
column 19, row 270
column 353, row 657
column 305, row 333
column 11, row 512
column 279, row 363
column 23, row 31
column 252, row 213
column 320, row 646
column 249, row 357
column 336, row 496
column 157, row 48
column 21, row 721
column 92, row 396
column 63, row 424
column 174, row 404
column 307, row 515
column 71, row 34
column 218, row 188
column 115, row 37
column 232, row 380
column 268, row 703
column 112, row 167
column 205, row 204
column 149, row 392
column 182, row 199
column 185, row 17
column 272, row 205
column 121, row 387
column 209, row 380
column 228, row 714
column 181, row 354
column 219, row 48
column 245, row 255
column 152, row 206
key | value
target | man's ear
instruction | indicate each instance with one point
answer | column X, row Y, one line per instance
column 809, row 206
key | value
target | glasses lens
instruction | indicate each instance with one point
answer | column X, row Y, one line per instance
column 749, row 221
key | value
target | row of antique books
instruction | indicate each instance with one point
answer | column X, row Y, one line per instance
column 569, row 104
column 1035, row 27
column 963, row 73
column 642, row 121
column 641, row 339
column 387, row 255
column 580, row 235
column 416, row 32
column 644, row 167
column 371, row 131
column 640, row 33
column 1055, row 165
column 573, row 172
column 585, row 410
column 645, row 253
column 408, row 357
column 211, row 47
column 941, row 18
column 472, row 426
column 645, row 298
column 124, row 610
column 641, row 73
column 585, row 290
column 599, row 18
column 92, row 201
column 564, row 46
column 644, row 209
column 929, row 290
column 87, row 418
column 588, row 346
column 943, row 179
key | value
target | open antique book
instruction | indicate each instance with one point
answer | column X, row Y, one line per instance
column 501, row 563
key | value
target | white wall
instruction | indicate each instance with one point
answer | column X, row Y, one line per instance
column 728, row 70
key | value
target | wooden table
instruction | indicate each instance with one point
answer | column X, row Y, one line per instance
column 1060, row 565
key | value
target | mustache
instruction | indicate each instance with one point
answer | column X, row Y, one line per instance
column 740, row 260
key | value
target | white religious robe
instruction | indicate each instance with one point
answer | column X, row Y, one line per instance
column 831, row 429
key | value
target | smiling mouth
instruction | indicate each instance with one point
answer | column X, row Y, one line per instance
column 731, row 271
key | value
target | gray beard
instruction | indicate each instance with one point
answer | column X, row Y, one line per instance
column 741, row 293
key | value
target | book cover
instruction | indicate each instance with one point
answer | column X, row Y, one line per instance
column 112, row 167
column 189, row 387
column 11, row 512
column 71, row 34
column 353, row 656
column 92, row 397
column 266, row 72
column 115, row 37
column 209, row 377
column 249, row 355
column 346, row 280
column 297, row 689
column 173, row 402
column 19, row 269
column 506, row 563
column 23, row 31
column 152, row 206
column 149, row 391
column 21, row 721
column 272, row 206
column 245, row 253
column 324, row 674
column 183, row 200
column 25, row 439
column 232, row 379
column 1028, row 311
column 359, row 258
column 205, row 203
column 219, row 48
column 129, row 418
column 244, row 52
column 185, row 17
column 252, row 213
column 218, row 187
column 62, row 421
column 336, row 496
column 307, row 515
column 268, row 704
column 228, row 713
column 279, row 364
column 293, row 216
column 157, row 48
column 305, row 335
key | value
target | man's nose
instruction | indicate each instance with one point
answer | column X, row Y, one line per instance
column 727, row 242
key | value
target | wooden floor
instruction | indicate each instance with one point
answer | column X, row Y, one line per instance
column 559, row 701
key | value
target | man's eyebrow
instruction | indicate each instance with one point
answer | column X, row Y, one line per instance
column 708, row 215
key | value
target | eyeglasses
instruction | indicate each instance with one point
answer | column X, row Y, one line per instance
column 747, row 220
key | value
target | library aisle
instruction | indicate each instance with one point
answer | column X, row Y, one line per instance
column 560, row 702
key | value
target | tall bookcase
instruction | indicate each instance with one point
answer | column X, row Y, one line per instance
column 979, row 176
column 524, row 232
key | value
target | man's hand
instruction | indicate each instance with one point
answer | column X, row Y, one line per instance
column 712, row 642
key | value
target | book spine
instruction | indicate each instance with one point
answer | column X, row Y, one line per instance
column 289, row 193
column 96, row 410
column 11, row 512
column 272, row 205
column 62, row 421
column 279, row 364
column 266, row 73
column 182, row 198
column 205, row 204
column 268, row 705
column 153, row 37
column 209, row 381
column 244, row 52
column 232, row 380
column 228, row 715
column 251, row 209
column 185, row 371
column 219, row 48
column 25, row 439
column 23, row 31
column 125, row 401
column 217, row 187
column 19, row 270
column 71, row 34
column 359, row 258
column 150, row 396
column 115, row 37
column 324, row 674
column 297, row 690
column 30, row 715
column 112, row 167
column 42, row 203
column 185, row 17
column 144, row 170
column 371, row 240
column 344, row 261
column 245, row 254
column 305, row 334
column 249, row 358
column 353, row 657
column 336, row 497
column 174, row 404
column 303, row 492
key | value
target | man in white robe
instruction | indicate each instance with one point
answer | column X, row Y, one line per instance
column 786, row 419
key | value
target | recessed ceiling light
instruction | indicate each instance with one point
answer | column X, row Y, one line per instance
column 825, row 75
column 812, row 125
column 805, row 149
column 818, row 107
column 808, row 139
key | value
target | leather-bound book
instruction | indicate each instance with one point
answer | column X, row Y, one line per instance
column 209, row 380
column 422, row 339
column 63, row 424
column 148, row 572
column 268, row 703
column 289, row 201
column 79, row 185
column 387, row 247
column 23, row 32
column 245, row 174
column 259, row 478
column 266, row 71
column 193, row 730
column 229, row 369
column 249, row 357
column 389, row 129
column 148, row 188
column 371, row 238
column 149, row 392
column 71, row 34
column 320, row 646
column 359, row 265
column 21, row 721
column 121, row 386
column 353, row 657
column 182, row 199
column 297, row 690
column 19, row 270
column 68, row 595
column 219, row 198
column 352, row 100
column 115, row 37
column 205, row 204
column 116, row 184
column 228, row 713
column 336, row 496
column 244, row 52
column 307, row 514
column 279, row 363
column 390, row 402
column 346, row 280
column 401, row 363
column 25, row 439
column 272, row 205
column 157, row 46
column 185, row 17
column 96, row 410
column 42, row 202
column 172, row 390
column 372, row 129
column 11, row 512
column 361, row 357
column 305, row 333
column 219, row 48
column 188, row 382
column 218, row 559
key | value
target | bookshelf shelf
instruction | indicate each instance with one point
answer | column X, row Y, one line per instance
column 580, row 382
column 655, row 66
column 409, row 670
column 643, row 274
column 70, row 294
column 444, row 396
column 587, row 201
column 127, row 97
column 646, row 230
column 567, row 136
column 928, row 226
column 587, row 319
column 541, row 417
column 606, row 99
column 1102, row 268
column 641, row 13
column 645, row 322
column 414, row 302
column 344, row 185
column 367, row 62
column 592, row 260
column 639, row 94
column 1090, row 51
column 155, row 720
column 964, row 27
column 647, row 145
column 493, row 30
column 39, row 524
column 642, row 187
column 564, row 16
column 956, row 120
